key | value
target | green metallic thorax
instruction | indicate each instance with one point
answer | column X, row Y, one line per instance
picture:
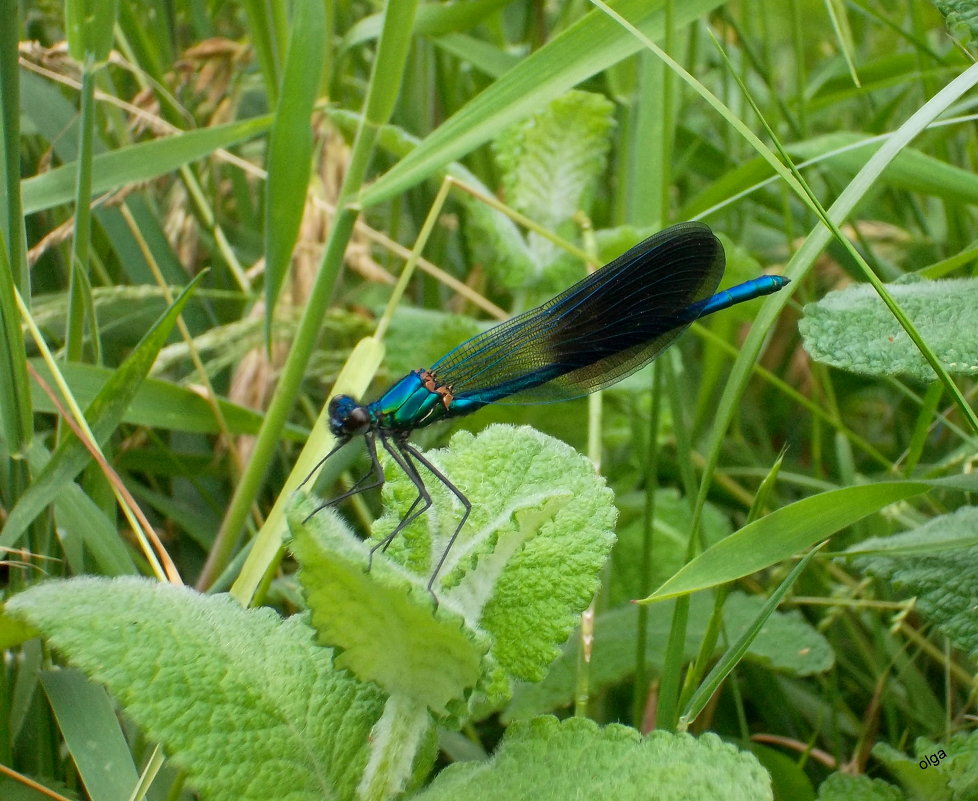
column 417, row 400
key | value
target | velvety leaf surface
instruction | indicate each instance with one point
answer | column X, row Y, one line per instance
column 551, row 162
column 927, row 564
column 846, row 787
column 522, row 570
column 383, row 619
column 958, row 762
column 787, row 642
column 961, row 17
column 852, row 329
column 547, row 759
column 925, row 783
column 247, row 703
column 528, row 560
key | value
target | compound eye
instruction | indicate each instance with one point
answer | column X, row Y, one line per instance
column 338, row 406
column 358, row 421
column 347, row 418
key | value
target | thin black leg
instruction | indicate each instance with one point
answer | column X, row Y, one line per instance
column 404, row 455
column 408, row 449
column 377, row 472
column 323, row 461
column 396, row 450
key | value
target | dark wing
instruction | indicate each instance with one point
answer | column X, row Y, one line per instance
column 594, row 334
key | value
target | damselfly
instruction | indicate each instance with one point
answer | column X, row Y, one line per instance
column 590, row 336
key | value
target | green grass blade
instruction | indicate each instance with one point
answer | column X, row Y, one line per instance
column 93, row 735
column 80, row 518
column 845, row 153
column 157, row 403
column 787, row 531
column 385, row 82
column 354, row 379
column 11, row 211
column 587, row 47
column 840, row 23
column 103, row 415
column 80, row 305
column 432, row 19
column 735, row 653
column 16, row 423
column 136, row 163
column 88, row 27
column 813, row 245
column 290, row 148
column 15, row 391
column 266, row 35
column 480, row 55
column 391, row 56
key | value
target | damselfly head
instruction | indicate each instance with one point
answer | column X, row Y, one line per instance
column 347, row 418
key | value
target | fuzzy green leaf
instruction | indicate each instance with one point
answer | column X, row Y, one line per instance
column 961, row 17
column 383, row 620
column 934, row 563
column 549, row 759
column 552, row 160
column 846, row 787
column 962, row 764
column 852, row 329
column 959, row 766
column 527, row 562
column 917, row 782
column 786, row 643
column 524, row 567
column 246, row 703
column 495, row 239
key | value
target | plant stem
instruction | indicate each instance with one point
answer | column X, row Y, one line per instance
column 385, row 81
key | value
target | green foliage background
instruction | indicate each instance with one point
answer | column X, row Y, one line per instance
column 205, row 213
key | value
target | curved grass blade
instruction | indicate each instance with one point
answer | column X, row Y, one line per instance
column 735, row 653
column 587, row 47
column 290, row 148
column 791, row 529
column 103, row 414
column 137, row 163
